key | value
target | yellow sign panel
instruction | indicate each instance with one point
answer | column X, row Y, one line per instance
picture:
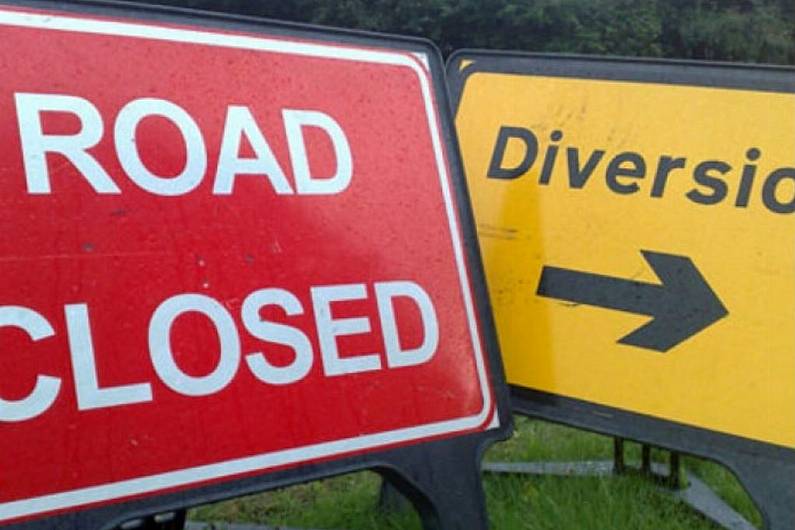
column 639, row 242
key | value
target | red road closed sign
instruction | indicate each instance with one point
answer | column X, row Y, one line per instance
column 221, row 253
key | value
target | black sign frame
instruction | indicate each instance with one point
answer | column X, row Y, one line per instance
column 441, row 477
column 767, row 471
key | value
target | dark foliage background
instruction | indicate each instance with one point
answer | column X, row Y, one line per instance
column 727, row 30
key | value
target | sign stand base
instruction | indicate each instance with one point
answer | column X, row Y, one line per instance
column 669, row 479
column 766, row 472
column 696, row 494
column 444, row 486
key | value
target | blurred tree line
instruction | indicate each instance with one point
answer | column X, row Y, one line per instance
column 727, row 30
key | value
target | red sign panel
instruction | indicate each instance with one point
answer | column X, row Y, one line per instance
column 220, row 253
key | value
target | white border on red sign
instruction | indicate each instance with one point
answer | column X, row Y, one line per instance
column 144, row 485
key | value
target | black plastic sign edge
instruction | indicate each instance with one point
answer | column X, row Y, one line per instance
column 441, row 477
column 766, row 470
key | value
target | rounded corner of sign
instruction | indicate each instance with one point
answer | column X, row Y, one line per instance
column 417, row 62
column 493, row 423
column 424, row 60
column 488, row 417
column 459, row 62
column 428, row 49
column 463, row 71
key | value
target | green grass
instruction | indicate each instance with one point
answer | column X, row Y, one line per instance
column 514, row 502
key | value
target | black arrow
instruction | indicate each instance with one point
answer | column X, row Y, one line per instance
column 681, row 305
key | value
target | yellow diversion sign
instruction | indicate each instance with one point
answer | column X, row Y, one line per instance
column 637, row 225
